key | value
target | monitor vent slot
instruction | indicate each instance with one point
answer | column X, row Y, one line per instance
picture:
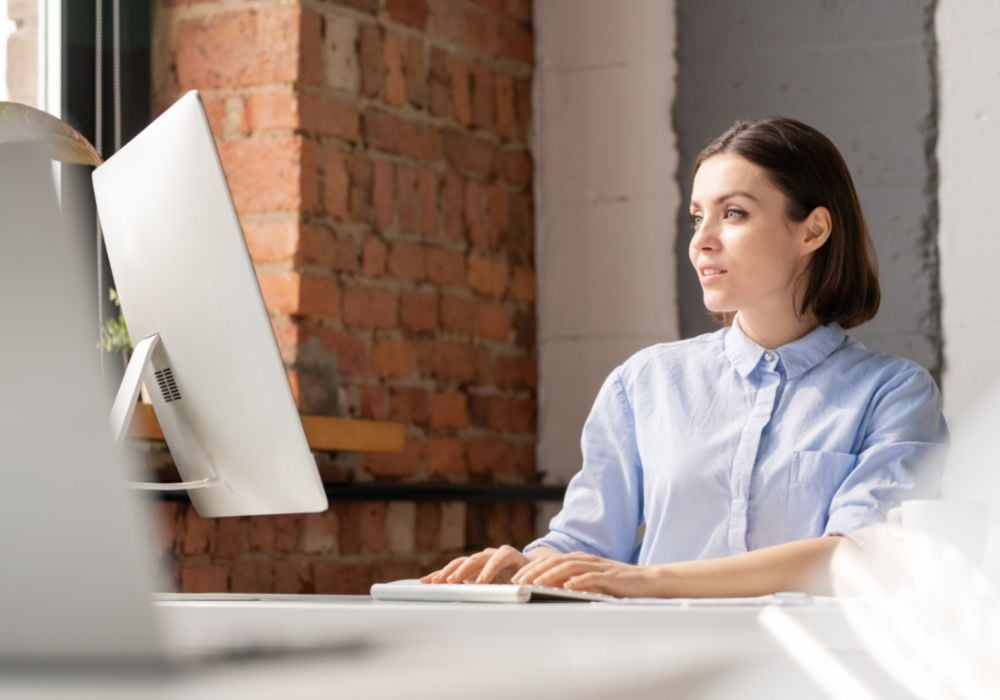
column 168, row 387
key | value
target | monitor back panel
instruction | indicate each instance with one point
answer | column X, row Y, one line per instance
column 182, row 270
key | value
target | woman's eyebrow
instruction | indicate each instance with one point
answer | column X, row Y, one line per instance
column 728, row 195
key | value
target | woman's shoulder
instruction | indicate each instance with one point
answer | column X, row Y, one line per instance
column 675, row 355
column 855, row 360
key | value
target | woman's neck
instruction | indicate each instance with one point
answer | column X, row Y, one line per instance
column 771, row 331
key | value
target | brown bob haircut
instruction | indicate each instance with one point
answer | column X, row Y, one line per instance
column 842, row 277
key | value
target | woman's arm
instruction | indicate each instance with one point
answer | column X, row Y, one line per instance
column 794, row 566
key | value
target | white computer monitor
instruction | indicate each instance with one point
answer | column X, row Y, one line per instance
column 204, row 344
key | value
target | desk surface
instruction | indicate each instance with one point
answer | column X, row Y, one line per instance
column 462, row 650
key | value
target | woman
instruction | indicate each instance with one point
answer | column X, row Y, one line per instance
column 742, row 456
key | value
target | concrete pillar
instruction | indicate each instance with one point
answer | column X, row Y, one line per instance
column 606, row 202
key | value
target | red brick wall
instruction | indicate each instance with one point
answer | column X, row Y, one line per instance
column 377, row 151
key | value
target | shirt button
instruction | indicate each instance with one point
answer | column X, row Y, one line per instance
column 768, row 356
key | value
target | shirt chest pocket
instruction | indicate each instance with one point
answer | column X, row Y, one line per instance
column 815, row 477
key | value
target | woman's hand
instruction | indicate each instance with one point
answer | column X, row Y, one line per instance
column 493, row 565
column 585, row 572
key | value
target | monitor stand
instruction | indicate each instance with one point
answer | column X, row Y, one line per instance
column 123, row 409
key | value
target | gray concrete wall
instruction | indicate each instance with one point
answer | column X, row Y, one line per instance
column 861, row 71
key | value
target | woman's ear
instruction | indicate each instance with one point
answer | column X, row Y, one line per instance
column 818, row 226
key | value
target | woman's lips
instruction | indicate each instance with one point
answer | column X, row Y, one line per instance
column 710, row 275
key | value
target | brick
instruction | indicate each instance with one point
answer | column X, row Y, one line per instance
column 260, row 534
column 319, row 296
column 228, row 538
column 515, row 372
column 360, row 170
column 515, row 167
column 398, row 465
column 449, row 411
column 445, row 457
column 406, row 261
column 410, row 12
column 488, row 276
column 413, row 69
column 280, row 292
column 475, row 214
column 453, row 363
column 372, row 62
column 461, row 89
column 342, row 36
column 439, row 90
column 337, row 187
column 504, row 100
column 427, row 186
column 239, row 48
column 370, row 307
column 215, row 110
column 447, row 19
column 490, row 456
column 320, row 533
column 494, row 6
column 418, row 311
column 286, row 334
column 204, row 578
column 503, row 413
column 292, row 576
column 482, row 32
column 323, row 246
column 286, row 532
column 400, row 520
column 519, row 10
column 349, row 352
column 349, row 517
column 252, row 576
column 309, row 177
column 373, row 257
column 340, row 578
column 409, row 405
column 453, row 207
column 428, row 526
column 328, row 116
column 445, row 268
column 394, row 134
column 520, row 227
column 384, row 194
column 453, row 522
column 265, row 175
column 458, row 315
column 494, row 322
column 469, row 155
column 517, row 42
column 370, row 403
column 392, row 359
column 373, row 526
column 407, row 199
column 525, row 329
column 522, row 109
column 523, row 284
column 395, row 82
column 272, row 110
column 197, row 533
column 482, row 96
column 271, row 240
column 496, row 221
column 312, row 53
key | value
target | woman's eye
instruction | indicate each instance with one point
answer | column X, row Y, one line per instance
column 735, row 213
column 695, row 220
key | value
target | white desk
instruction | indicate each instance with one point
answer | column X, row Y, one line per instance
column 442, row 651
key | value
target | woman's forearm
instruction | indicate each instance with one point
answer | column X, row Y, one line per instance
column 794, row 566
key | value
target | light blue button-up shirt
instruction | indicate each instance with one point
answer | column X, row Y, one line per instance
column 714, row 446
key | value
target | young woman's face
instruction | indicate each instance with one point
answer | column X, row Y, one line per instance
column 747, row 253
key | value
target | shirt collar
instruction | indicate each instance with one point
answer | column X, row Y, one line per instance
column 797, row 357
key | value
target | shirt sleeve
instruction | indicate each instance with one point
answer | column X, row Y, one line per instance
column 602, row 509
column 901, row 455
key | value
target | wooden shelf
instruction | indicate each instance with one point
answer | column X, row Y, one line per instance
column 325, row 434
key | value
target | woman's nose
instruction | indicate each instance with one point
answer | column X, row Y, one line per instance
column 704, row 237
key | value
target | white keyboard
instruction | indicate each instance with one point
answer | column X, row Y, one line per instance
column 413, row 590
